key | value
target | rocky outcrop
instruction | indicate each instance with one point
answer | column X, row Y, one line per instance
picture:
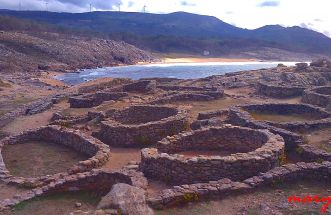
column 57, row 52
column 126, row 200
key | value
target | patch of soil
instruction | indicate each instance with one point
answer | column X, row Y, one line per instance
column 9, row 191
column 319, row 138
column 56, row 204
column 197, row 107
column 154, row 187
column 283, row 118
column 264, row 201
column 35, row 121
column 24, row 123
column 34, row 159
column 120, row 157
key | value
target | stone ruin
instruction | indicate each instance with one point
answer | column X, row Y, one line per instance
column 95, row 180
column 187, row 93
column 250, row 152
column 95, row 99
column 279, row 90
column 242, row 115
column 320, row 96
column 96, row 150
column 141, row 125
column 288, row 173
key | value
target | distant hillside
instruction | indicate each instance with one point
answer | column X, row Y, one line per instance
column 190, row 33
column 26, row 46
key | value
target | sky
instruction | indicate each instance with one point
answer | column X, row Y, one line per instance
column 251, row 14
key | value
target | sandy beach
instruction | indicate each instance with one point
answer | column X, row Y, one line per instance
column 205, row 60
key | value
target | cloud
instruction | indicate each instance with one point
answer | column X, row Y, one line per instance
column 269, row 4
column 185, row 3
column 304, row 25
column 60, row 5
column 130, row 4
column 327, row 33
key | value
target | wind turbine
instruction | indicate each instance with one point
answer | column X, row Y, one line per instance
column 90, row 7
column 119, row 6
column 46, row 4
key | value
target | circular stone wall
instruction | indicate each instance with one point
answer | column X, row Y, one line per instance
column 278, row 90
column 320, row 96
column 142, row 125
column 93, row 148
column 293, row 117
column 253, row 151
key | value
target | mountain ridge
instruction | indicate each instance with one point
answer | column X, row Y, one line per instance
column 182, row 32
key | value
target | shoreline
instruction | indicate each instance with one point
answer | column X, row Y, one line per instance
column 206, row 60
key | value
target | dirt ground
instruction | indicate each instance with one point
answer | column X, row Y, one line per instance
column 58, row 204
column 319, row 138
column 120, row 157
column 34, row 159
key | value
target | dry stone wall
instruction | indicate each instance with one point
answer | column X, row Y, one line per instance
column 278, row 91
column 320, row 96
column 252, row 151
column 95, row 99
column 142, row 125
column 96, row 150
column 289, row 173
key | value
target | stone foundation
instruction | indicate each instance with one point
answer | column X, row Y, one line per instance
column 95, row 180
column 253, row 151
column 93, row 100
column 187, row 93
column 142, row 125
column 290, row 173
column 323, row 118
column 143, row 86
column 96, row 150
column 279, row 91
column 320, row 96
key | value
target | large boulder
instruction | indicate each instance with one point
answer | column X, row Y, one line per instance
column 127, row 200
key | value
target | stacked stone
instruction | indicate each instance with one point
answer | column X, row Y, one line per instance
column 143, row 86
column 293, row 141
column 95, row 180
column 183, row 194
column 320, row 96
column 289, row 173
column 241, row 115
column 211, row 119
column 58, row 119
column 257, row 151
column 142, row 125
column 279, row 91
column 95, row 99
column 187, row 93
column 97, row 151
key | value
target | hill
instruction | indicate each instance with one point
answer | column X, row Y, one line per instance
column 27, row 46
column 187, row 33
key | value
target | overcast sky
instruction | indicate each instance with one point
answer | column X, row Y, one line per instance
column 313, row 14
